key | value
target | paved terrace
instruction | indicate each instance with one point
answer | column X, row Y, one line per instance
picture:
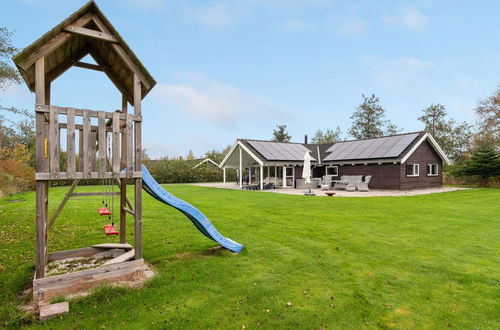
column 339, row 193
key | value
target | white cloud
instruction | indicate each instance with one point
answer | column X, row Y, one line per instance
column 215, row 103
column 295, row 24
column 218, row 14
column 352, row 27
column 410, row 18
column 403, row 73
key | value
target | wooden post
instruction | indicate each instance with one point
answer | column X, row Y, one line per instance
column 41, row 166
column 123, row 181
column 138, row 164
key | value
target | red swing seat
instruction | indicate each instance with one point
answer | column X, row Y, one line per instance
column 103, row 211
column 110, row 229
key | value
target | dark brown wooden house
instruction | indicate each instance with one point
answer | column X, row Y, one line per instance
column 401, row 162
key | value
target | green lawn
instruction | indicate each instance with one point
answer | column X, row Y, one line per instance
column 428, row 261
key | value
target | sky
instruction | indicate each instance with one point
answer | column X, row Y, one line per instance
column 236, row 69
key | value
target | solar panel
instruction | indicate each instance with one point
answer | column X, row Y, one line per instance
column 280, row 151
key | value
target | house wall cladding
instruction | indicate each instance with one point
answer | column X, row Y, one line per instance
column 384, row 176
column 424, row 155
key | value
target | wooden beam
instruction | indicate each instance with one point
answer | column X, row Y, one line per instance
column 63, row 202
column 95, row 194
column 124, row 209
column 89, row 66
column 121, row 53
column 52, row 44
column 138, row 165
column 90, row 33
column 41, row 166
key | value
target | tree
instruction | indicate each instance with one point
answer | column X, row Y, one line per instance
column 280, row 134
column 328, row 136
column 454, row 138
column 368, row 120
column 488, row 119
column 8, row 73
column 190, row 155
column 484, row 163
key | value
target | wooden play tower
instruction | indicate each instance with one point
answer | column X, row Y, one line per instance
column 97, row 144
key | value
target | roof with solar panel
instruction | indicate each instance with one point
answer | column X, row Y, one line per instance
column 383, row 148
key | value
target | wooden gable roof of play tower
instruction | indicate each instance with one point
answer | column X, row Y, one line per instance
column 85, row 32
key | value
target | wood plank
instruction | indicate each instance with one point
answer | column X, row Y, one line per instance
column 70, row 143
column 124, row 257
column 93, row 175
column 54, row 143
column 74, row 253
column 84, row 274
column 89, row 66
column 113, row 246
column 93, row 150
column 80, row 153
column 95, row 194
column 129, row 147
column 90, row 33
column 125, row 270
column 63, row 203
column 52, row 44
column 102, row 143
column 86, row 145
column 116, row 143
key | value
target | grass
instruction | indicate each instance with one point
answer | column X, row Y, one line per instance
column 428, row 261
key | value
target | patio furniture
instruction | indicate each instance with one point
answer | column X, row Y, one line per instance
column 350, row 188
column 363, row 185
column 346, row 180
column 301, row 184
column 326, row 182
column 268, row 186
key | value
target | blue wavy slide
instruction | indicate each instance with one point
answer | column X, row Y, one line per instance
column 197, row 218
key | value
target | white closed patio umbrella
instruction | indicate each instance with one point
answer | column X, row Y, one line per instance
column 306, row 171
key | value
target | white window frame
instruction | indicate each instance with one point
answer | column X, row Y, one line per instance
column 415, row 166
column 330, row 167
column 429, row 172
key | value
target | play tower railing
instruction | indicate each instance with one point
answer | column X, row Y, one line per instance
column 75, row 148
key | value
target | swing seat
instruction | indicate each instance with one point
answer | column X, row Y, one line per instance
column 103, row 211
column 110, row 230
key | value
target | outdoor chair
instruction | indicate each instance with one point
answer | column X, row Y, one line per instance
column 326, row 182
column 363, row 185
column 347, row 180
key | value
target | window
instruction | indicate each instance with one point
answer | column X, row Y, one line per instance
column 332, row 170
column 412, row 170
column 432, row 170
